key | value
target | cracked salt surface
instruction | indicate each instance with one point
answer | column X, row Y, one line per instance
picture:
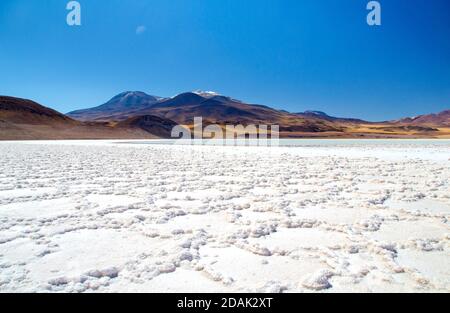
column 103, row 216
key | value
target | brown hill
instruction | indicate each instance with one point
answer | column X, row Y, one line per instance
column 155, row 125
column 440, row 119
column 22, row 119
column 22, row 111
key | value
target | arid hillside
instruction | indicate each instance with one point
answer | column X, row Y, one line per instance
column 136, row 115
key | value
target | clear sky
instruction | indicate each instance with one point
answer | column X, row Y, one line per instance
column 290, row 54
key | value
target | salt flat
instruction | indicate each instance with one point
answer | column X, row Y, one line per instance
column 104, row 216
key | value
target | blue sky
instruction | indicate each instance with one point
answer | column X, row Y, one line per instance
column 295, row 55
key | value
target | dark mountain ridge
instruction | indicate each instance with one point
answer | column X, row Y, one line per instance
column 124, row 102
column 138, row 115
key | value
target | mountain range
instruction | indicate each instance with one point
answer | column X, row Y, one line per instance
column 137, row 115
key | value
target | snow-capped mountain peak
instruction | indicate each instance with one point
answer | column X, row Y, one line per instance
column 206, row 93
